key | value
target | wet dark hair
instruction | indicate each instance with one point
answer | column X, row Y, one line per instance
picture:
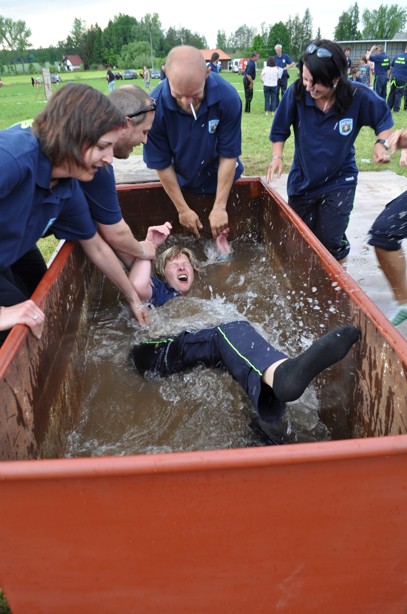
column 327, row 71
column 74, row 119
column 271, row 61
column 215, row 56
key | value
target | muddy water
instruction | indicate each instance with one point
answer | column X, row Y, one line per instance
column 124, row 413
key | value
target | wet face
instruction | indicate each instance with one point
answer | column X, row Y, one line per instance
column 179, row 273
column 96, row 156
column 132, row 136
column 317, row 90
column 187, row 91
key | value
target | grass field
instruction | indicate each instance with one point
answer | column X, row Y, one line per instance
column 19, row 101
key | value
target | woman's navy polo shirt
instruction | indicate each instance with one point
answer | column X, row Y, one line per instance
column 29, row 209
column 324, row 156
column 192, row 146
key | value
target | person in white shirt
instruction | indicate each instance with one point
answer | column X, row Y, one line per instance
column 270, row 75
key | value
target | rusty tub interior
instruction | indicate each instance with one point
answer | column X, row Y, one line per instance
column 294, row 527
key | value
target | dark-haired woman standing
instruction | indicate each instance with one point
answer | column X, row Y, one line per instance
column 327, row 112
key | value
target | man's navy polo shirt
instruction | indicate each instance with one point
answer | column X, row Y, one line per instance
column 29, row 209
column 282, row 62
column 399, row 65
column 251, row 69
column 192, row 146
column 381, row 63
column 324, row 156
column 102, row 198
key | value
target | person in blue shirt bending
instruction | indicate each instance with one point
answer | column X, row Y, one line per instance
column 195, row 141
column 69, row 142
column 327, row 111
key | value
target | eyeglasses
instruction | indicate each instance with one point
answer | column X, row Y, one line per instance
column 151, row 107
column 322, row 53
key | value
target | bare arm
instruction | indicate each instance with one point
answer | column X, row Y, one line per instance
column 121, row 240
column 380, row 152
column 102, row 256
column 187, row 218
column 140, row 274
column 276, row 163
column 218, row 217
column 398, row 140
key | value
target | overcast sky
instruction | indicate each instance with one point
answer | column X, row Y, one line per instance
column 50, row 21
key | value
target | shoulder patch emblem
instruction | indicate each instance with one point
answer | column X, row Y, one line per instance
column 346, row 126
column 212, row 125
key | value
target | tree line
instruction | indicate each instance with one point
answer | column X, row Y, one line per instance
column 127, row 41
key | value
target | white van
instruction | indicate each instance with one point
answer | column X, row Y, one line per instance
column 234, row 65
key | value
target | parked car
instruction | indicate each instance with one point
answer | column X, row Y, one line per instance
column 130, row 73
column 55, row 79
column 155, row 73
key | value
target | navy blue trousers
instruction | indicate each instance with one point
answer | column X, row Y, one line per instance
column 328, row 218
column 390, row 227
column 18, row 282
column 235, row 346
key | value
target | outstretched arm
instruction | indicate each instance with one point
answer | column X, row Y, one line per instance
column 140, row 273
column 99, row 252
column 218, row 217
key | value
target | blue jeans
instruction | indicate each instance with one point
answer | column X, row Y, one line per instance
column 270, row 98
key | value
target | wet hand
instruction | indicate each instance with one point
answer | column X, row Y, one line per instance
column 381, row 155
column 158, row 234
column 141, row 314
column 218, row 219
column 191, row 222
column 24, row 313
column 275, row 166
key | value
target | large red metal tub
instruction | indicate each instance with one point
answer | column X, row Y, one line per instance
column 305, row 527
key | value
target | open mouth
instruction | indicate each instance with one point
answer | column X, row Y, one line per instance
column 182, row 277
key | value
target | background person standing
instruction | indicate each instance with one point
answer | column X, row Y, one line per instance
column 248, row 80
column 283, row 61
column 147, row 78
column 398, row 82
column 110, row 79
column 381, row 63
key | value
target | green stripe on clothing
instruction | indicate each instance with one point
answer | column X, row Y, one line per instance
column 237, row 351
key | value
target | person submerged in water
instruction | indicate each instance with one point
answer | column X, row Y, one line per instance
column 268, row 376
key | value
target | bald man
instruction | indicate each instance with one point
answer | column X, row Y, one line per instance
column 195, row 140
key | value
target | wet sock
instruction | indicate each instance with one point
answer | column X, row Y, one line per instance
column 400, row 315
column 293, row 376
